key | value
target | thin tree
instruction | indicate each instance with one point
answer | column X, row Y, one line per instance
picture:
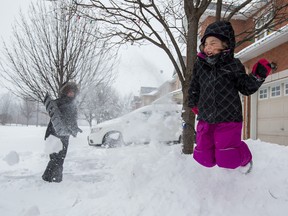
column 28, row 108
column 5, row 108
column 102, row 103
column 171, row 25
column 53, row 46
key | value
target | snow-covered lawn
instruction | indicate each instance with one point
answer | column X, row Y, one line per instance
column 139, row 180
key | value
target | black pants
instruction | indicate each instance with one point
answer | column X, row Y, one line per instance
column 54, row 169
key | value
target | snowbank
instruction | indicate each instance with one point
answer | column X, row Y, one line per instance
column 143, row 180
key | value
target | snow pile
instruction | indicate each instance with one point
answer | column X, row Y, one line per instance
column 52, row 144
column 143, row 180
column 32, row 211
column 12, row 158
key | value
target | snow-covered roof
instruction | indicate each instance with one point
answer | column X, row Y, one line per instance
column 147, row 90
column 168, row 98
column 265, row 44
column 152, row 93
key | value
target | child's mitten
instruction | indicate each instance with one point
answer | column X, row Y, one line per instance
column 261, row 69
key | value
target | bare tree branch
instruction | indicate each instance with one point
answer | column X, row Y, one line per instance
column 237, row 8
column 52, row 46
column 278, row 17
column 163, row 23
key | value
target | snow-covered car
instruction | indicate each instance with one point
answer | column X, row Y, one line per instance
column 155, row 122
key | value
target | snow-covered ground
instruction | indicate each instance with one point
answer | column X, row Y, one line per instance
column 139, row 180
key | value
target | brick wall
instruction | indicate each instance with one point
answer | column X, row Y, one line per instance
column 279, row 55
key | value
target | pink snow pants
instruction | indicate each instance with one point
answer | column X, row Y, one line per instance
column 221, row 144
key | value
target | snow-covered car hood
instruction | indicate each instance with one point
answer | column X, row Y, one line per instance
column 109, row 122
column 133, row 114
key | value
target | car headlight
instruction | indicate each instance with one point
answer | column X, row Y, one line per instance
column 95, row 130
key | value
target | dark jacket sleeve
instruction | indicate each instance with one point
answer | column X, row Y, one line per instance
column 247, row 84
column 194, row 90
column 50, row 131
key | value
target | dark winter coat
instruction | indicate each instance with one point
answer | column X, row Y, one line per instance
column 217, row 80
column 68, row 110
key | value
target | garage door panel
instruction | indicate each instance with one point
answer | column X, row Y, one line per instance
column 271, row 108
column 272, row 120
column 282, row 140
column 271, row 126
column 285, row 106
column 263, row 108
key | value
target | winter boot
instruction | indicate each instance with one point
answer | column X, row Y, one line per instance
column 47, row 176
column 54, row 175
column 53, row 172
column 57, row 174
column 247, row 168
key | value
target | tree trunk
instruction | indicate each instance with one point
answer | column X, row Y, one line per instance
column 188, row 116
column 188, row 127
column 218, row 10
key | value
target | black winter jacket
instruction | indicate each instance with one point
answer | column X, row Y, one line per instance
column 215, row 85
column 68, row 110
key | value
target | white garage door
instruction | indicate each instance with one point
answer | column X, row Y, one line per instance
column 272, row 124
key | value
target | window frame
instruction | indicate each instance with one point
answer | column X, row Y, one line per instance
column 271, row 91
column 265, row 94
column 285, row 90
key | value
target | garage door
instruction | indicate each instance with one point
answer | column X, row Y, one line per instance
column 272, row 124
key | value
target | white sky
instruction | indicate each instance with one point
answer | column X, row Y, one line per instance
column 142, row 66
column 9, row 10
column 139, row 66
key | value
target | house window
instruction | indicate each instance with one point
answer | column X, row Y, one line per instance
column 276, row 91
column 260, row 22
column 263, row 93
column 286, row 89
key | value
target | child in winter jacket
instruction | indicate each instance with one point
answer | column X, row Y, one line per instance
column 217, row 79
column 68, row 109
